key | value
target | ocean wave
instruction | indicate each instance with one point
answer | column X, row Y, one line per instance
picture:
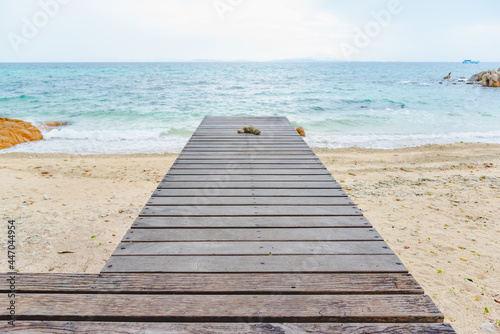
column 356, row 101
column 391, row 141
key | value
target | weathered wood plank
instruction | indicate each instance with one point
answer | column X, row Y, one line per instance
column 287, row 146
column 245, row 150
column 248, row 177
column 253, row 248
column 253, row 234
column 254, row 167
column 256, row 264
column 278, row 131
column 242, row 171
column 297, row 283
column 263, row 135
column 256, row 162
column 218, row 201
column 246, row 222
column 252, row 142
column 224, row 192
column 250, row 185
column 98, row 327
column 240, row 211
column 253, row 155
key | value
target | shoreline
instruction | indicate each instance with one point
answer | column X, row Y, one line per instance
column 435, row 205
column 423, row 147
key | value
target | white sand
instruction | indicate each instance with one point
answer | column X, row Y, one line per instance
column 436, row 206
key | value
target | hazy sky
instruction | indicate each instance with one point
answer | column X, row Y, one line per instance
column 164, row 30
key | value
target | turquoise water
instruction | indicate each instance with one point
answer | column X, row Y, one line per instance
column 154, row 107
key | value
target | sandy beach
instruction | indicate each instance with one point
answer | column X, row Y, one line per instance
column 436, row 206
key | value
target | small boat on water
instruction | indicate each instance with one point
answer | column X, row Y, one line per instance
column 468, row 61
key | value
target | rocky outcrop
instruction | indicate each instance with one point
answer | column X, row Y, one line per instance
column 301, row 131
column 51, row 125
column 487, row 78
column 14, row 131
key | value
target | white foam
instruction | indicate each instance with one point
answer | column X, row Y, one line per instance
column 384, row 141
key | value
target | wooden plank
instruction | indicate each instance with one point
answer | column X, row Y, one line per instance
column 216, row 283
column 246, row 171
column 246, row 222
column 250, row 185
column 253, row 234
column 256, row 264
column 226, row 308
column 247, row 178
column 245, row 150
column 98, row 327
column 241, row 211
column 218, row 201
column 245, row 146
column 224, row 192
column 235, row 135
column 250, row 155
column 255, row 162
column 234, row 127
column 254, row 142
column 278, row 130
column 202, row 143
column 237, row 126
column 254, row 167
column 253, row 248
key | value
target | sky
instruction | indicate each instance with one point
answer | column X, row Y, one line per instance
column 253, row 30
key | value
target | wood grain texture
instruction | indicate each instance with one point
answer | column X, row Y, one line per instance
column 298, row 186
column 248, row 177
column 253, row 142
column 248, row 222
column 255, row 167
column 254, row 234
column 245, row 150
column 224, row 192
column 256, row 264
column 237, row 146
column 246, row 171
column 250, row 161
column 202, row 283
column 241, row 211
column 97, row 327
column 298, row 157
column 253, row 248
column 218, row 201
column 227, row 308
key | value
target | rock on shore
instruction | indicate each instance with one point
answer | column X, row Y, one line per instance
column 14, row 131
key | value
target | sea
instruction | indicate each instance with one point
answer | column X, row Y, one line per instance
column 130, row 108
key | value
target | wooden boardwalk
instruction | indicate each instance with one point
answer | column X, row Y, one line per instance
column 245, row 234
